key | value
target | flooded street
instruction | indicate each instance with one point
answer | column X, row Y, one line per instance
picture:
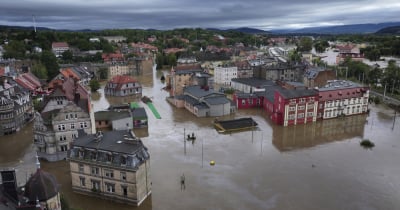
column 312, row 166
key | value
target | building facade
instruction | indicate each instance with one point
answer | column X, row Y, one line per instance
column 225, row 73
column 342, row 98
column 16, row 107
column 55, row 130
column 59, row 48
column 113, row 165
column 123, row 86
column 292, row 107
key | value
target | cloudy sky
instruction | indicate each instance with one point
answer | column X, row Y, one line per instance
column 169, row 14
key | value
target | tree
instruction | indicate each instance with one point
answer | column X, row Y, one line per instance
column 15, row 49
column 160, row 60
column 49, row 60
column 67, row 55
column 305, row 44
column 102, row 73
column 40, row 71
column 94, row 85
column 294, row 56
column 171, row 59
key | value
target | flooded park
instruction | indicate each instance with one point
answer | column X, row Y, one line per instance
column 312, row 166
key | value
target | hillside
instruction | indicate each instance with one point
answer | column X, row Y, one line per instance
column 389, row 30
column 342, row 29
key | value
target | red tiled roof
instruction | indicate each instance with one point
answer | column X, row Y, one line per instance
column 2, row 70
column 59, row 45
column 28, row 81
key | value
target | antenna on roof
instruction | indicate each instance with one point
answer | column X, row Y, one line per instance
column 34, row 22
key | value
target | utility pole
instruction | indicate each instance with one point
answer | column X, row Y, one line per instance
column 184, row 141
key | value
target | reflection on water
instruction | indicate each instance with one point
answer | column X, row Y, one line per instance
column 320, row 132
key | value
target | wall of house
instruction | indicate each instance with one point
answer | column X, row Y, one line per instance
column 220, row 109
column 122, row 124
column 136, row 182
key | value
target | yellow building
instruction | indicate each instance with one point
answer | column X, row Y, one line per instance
column 112, row 165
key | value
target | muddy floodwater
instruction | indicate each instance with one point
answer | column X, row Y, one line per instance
column 314, row 166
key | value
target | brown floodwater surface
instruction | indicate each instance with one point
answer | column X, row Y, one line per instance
column 313, row 166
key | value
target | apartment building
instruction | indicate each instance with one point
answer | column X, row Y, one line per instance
column 113, row 165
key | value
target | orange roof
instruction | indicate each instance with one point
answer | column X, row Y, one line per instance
column 68, row 72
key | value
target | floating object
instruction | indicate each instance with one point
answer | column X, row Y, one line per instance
column 367, row 144
column 212, row 162
column 234, row 125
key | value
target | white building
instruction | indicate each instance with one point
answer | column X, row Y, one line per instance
column 224, row 74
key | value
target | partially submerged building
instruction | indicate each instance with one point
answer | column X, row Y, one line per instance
column 112, row 165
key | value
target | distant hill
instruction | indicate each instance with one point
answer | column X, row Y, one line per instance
column 389, row 30
column 342, row 29
column 243, row 30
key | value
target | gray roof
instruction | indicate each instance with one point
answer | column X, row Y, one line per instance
column 139, row 113
column 296, row 93
column 216, row 100
column 340, row 84
column 254, row 82
column 197, row 92
column 122, row 147
column 111, row 115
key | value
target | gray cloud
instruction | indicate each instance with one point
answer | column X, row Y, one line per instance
column 160, row 14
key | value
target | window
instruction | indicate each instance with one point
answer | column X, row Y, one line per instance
column 61, row 127
column 63, row 148
column 300, row 107
column 95, row 185
column 243, row 102
column 109, row 173
column 124, row 190
column 95, row 171
column 250, row 101
column 66, row 116
column 72, row 125
column 82, row 181
column 109, row 157
column 291, row 117
column 83, row 124
column 301, row 115
column 81, row 168
column 310, row 114
column 302, row 100
column 123, row 176
column 292, row 108
column 311, row 99
column 110, row 187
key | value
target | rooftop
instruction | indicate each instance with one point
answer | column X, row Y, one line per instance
column 340, row 84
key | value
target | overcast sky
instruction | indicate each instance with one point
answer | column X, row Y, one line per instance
column 169, row 14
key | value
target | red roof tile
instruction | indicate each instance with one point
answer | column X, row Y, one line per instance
column 59, row 45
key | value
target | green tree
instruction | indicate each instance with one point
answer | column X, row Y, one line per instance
column 160, row 60
column 15, row 49
column 171, row 59
column 49, row 60
column 94, row 85
column 102, row 73
column 294, row 56
column 40, row 71
column 67, row 56
column 305, row 44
